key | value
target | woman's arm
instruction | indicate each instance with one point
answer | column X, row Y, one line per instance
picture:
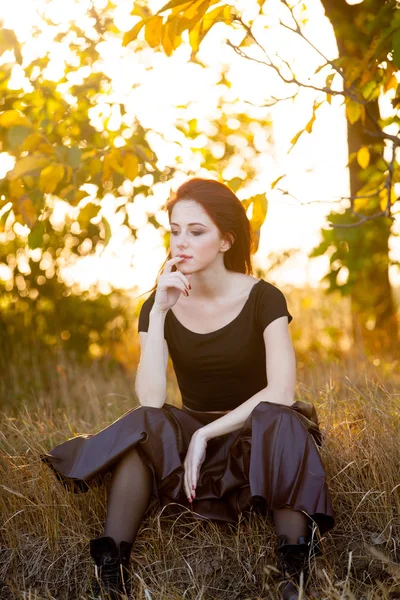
column 281, row 376
column 151, row 377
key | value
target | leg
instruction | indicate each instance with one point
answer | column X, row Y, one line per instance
column 292, row 523
column 128, row 498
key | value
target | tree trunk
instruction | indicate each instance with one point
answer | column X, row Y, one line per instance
column 375, row 326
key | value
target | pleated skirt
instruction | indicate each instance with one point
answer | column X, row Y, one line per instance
column 272, row 461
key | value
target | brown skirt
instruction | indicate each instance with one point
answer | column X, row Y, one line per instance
column 272, row 461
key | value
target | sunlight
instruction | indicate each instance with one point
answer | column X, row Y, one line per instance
column 314, row 171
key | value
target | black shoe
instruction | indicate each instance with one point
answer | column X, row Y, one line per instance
column 292, row 560
column 112, row 578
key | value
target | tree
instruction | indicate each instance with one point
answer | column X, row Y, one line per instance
column 368, row 36
column 61, row 152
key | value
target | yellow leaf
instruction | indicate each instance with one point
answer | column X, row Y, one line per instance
column 360, row 204
column 383, row 198
column 88, row 212
column 66, row 190
column 131, row 165
column 80, row 195
column 198, row 33
column 131, row 35
column 29, row 181
column 27, row 210
column 194, row 36
column 89, row 153
column 16, row 188
column 180, row 8
column 390, row 83
column 363, row 157
column 310, row 123
column 211, row 17
column 228, row 12
column 95, row 166
column 10, row 118
column 116, row 161
column 107, row 169
column 353, row 110
column 170, row 38
column 274, row 183
column 195, row 8
column 294, row 139
column 50, row 177
column 260, row 208
column 32, row 141
column 153, row 31
column 27, row 164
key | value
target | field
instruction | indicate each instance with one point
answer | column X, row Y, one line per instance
column 46, row 529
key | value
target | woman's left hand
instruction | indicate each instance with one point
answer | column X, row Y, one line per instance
column 195, row 457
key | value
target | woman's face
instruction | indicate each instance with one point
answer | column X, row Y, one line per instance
column 193, row 233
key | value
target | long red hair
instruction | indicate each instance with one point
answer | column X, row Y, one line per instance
column 227, row 212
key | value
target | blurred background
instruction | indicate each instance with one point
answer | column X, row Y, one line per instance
column 107, row 107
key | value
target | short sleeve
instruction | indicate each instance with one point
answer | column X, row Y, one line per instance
column 271, row 305
column 144, row 315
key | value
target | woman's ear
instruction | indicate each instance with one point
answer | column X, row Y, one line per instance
column 229, row 241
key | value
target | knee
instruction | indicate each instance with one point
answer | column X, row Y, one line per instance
column 275, row 409
column 150, row 409
column 269, row 410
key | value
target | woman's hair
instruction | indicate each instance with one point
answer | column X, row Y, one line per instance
column 227, row 212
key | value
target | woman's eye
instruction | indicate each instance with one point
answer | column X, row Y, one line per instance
column 194, row 232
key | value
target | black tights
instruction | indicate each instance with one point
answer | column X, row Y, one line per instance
column 128, row 497
column 130, row 494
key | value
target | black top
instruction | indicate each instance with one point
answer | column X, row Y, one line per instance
column 222, row 369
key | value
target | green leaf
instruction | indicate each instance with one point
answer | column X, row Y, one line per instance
column 16, row 135
column 235, row 184
column 107, row 230
column 35, row 237
column 396, row 48
column 74, row 157
column 3, row 219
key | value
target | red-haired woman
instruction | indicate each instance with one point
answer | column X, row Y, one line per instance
column 239, row 440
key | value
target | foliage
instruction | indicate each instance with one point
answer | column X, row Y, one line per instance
column 365, row 76
column 368, row 38
column 63, row 154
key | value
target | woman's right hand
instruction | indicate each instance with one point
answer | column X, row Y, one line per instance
column 170, row 285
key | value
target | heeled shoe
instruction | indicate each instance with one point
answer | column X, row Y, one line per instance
column 292, row 560
column 112, row 579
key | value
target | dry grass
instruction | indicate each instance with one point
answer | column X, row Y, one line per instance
column 45, row 529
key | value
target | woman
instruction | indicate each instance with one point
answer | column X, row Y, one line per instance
column 240, row 439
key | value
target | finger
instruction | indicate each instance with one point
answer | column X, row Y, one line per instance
column 192, row 478
column 184, row 480
column 187, row 484
column 171, row 262
column 183, row 277
column 188, row 487
column 175, row 283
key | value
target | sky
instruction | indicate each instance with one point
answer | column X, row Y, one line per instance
column 315, row 170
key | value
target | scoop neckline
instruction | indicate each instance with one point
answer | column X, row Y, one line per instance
column 225, row 326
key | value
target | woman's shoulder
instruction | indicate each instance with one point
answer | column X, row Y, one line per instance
column 270, row 303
